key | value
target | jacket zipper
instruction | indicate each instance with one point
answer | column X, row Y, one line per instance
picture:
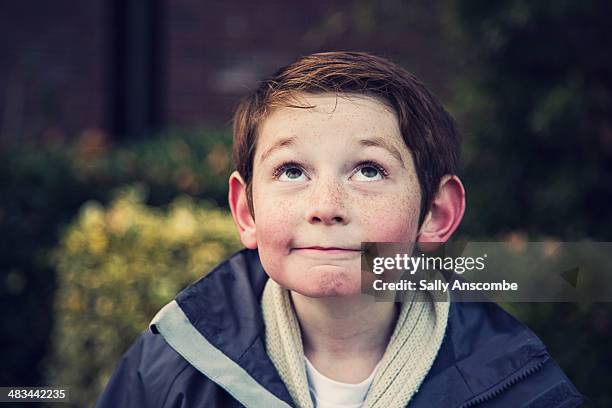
column 526, row 372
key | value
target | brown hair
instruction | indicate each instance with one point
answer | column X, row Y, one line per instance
column 427, row 129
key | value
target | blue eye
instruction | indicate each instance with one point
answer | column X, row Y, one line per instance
column 289, row 172
column 292, row 173
column 370, row 171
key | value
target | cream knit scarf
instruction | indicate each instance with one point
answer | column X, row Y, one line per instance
column 411, row 351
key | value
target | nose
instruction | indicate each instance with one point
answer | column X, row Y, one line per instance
column 327, row 204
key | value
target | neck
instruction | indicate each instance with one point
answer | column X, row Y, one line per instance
column 345, row 337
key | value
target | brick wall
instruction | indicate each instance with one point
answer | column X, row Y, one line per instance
column 53, row 69
column 56, row 75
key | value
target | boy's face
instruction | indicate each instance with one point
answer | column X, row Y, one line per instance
column 324, row 180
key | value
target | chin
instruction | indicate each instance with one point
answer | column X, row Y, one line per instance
column 329, row 282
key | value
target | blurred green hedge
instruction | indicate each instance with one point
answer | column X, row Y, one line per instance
column 117, row 267
column 196, row 163
column 42, row 188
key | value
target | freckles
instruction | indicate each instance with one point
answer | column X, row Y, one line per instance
column 395, row 218
column 274, row 221
column 327, row 284
column 273, row 234
column 332, row 283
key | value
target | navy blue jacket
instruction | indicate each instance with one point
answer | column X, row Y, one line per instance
column 207, row 349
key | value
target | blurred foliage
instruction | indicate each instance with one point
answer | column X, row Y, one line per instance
column 534, row 99
column 42, row 188
column 194, row 163
column 38, row 192
column 116, row 268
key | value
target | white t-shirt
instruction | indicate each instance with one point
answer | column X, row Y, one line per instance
column 327, row 393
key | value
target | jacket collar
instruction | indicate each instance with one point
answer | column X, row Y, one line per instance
column 216, row 324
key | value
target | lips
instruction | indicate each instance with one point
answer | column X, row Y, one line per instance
column 329, row 248
column 324, row 253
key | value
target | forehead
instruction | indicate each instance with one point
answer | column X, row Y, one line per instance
column 344, row 116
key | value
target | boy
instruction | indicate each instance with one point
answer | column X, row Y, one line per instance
column 334, row 150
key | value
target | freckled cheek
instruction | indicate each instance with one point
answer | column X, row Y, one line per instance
column 391, row 221
column 274, row 220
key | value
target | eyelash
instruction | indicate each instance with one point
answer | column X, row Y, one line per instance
column 291, row 164
column 377, row 166
column 283, row 167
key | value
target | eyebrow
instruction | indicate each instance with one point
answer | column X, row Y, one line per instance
column 384, row 144
column 284, row 142
column 372, row 142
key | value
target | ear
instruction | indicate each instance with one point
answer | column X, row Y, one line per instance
column 237, row 198
column 445, row 213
